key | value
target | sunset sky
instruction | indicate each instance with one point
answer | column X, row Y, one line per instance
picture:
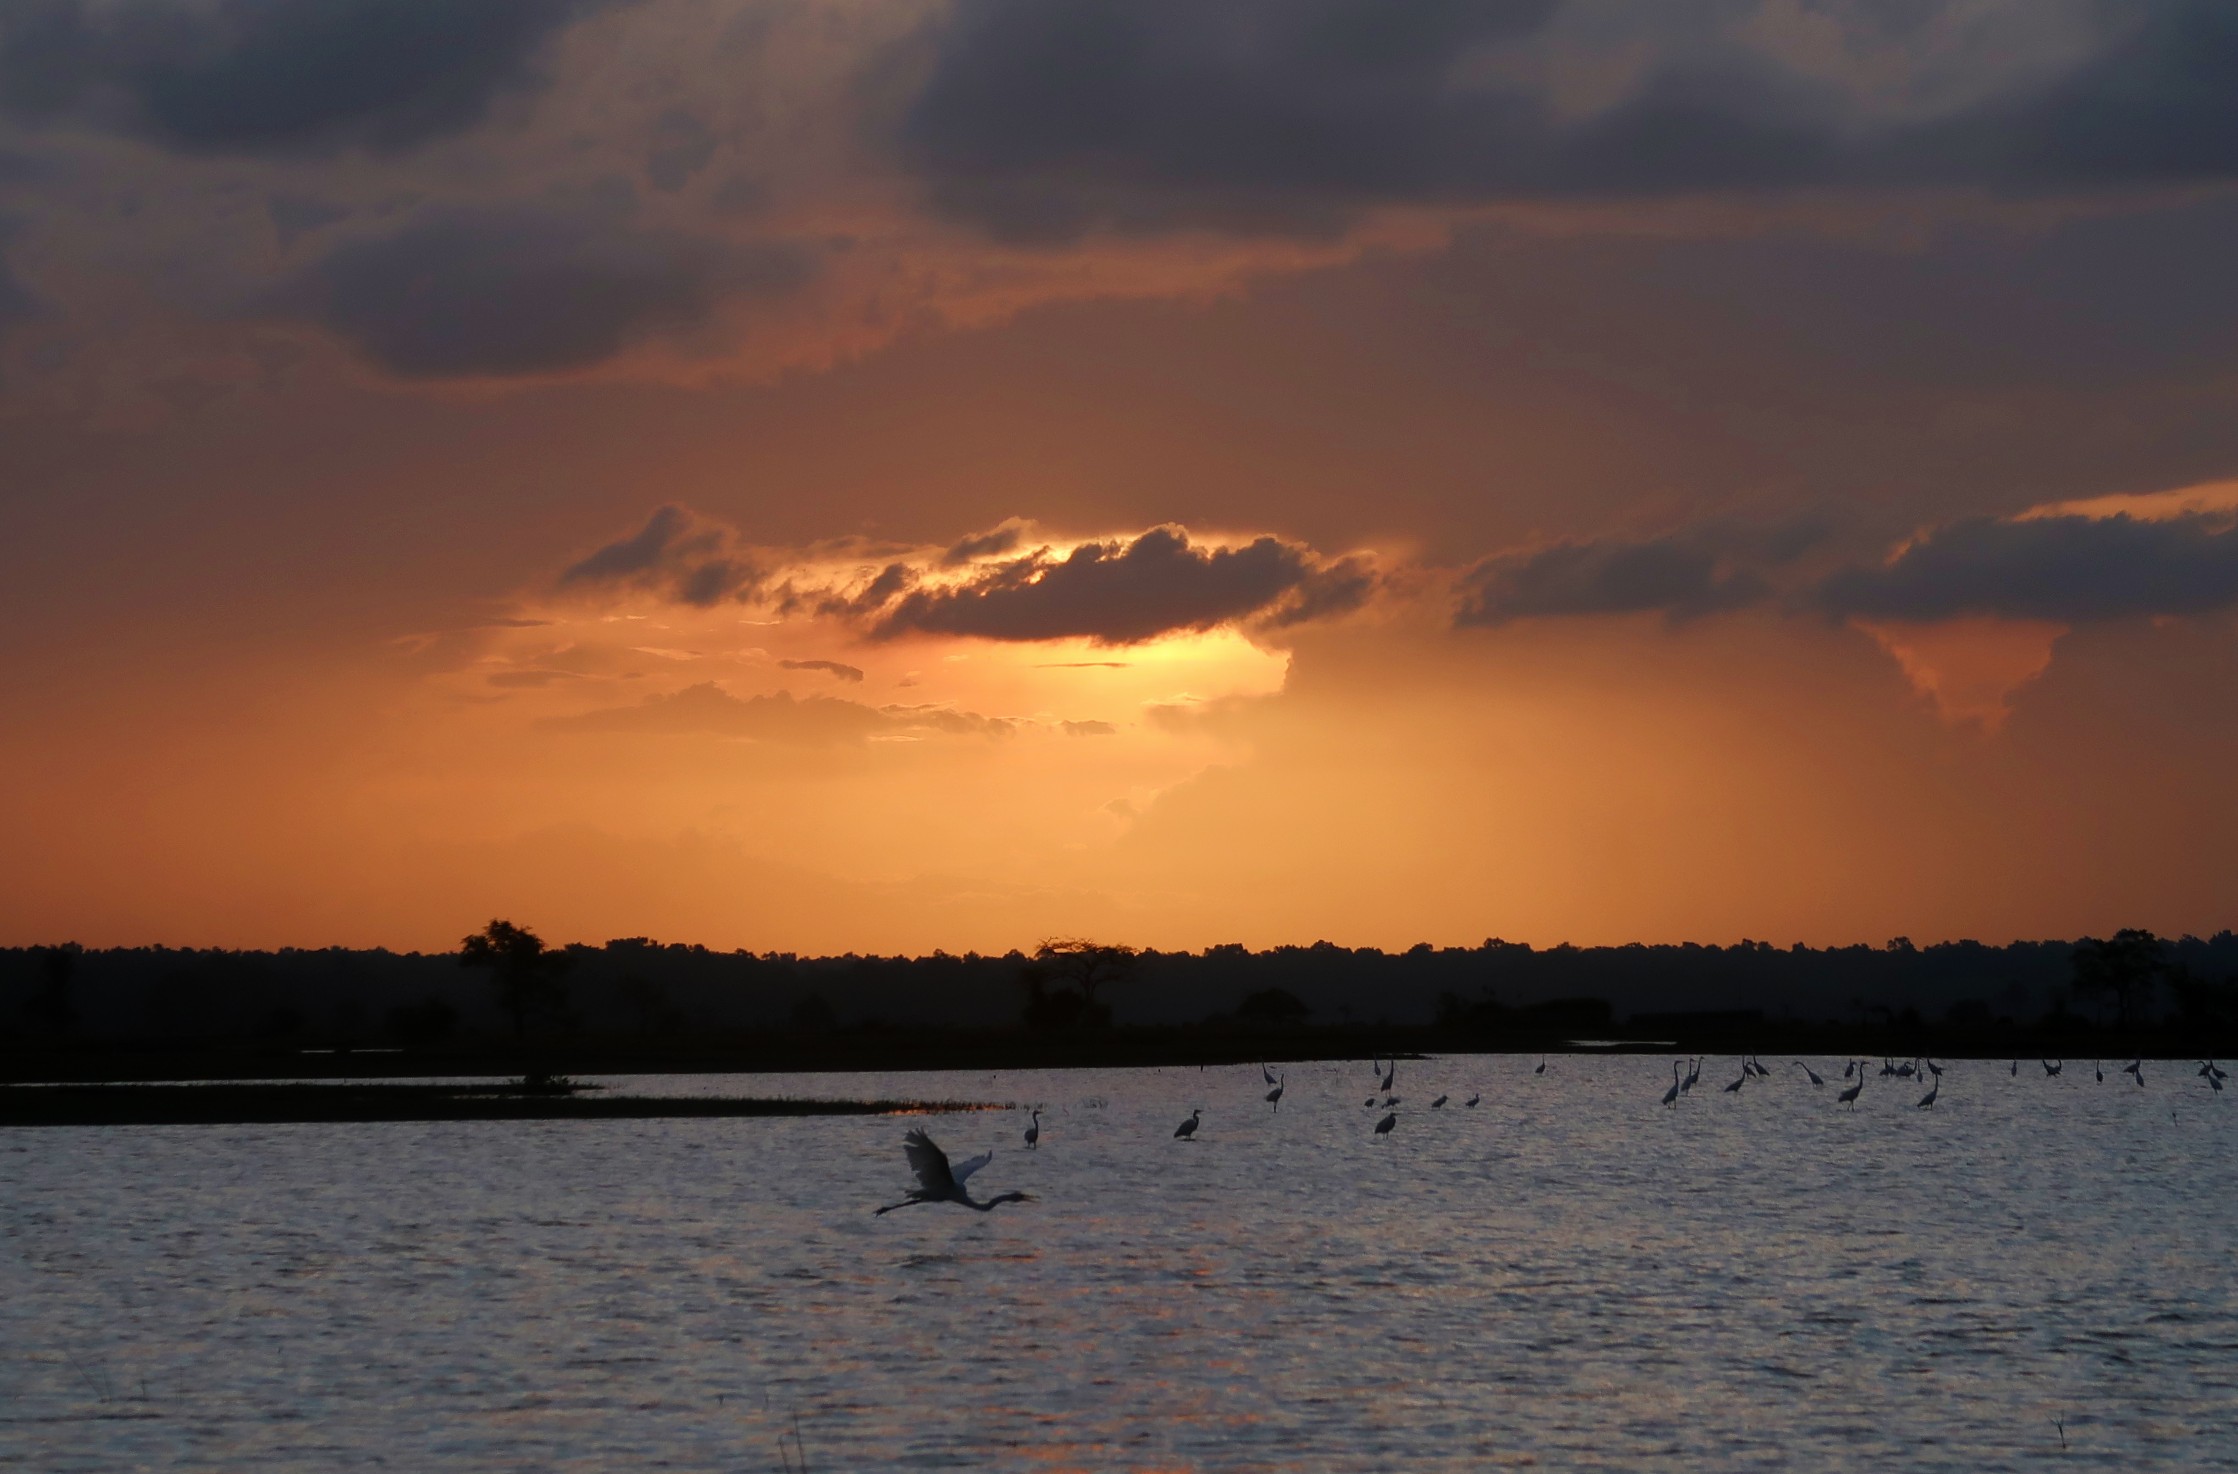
column 885, row 475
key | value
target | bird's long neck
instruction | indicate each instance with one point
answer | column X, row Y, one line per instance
column 990, row 1205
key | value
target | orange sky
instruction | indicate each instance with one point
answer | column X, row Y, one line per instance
column 784, row 479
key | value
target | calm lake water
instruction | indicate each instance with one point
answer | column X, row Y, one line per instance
column 1567, row 1276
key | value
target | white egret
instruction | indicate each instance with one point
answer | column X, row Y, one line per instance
column 1033, row 1132
column 937, row 1182
column 1187, row 1130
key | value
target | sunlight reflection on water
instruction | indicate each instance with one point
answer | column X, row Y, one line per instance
column 1567, row 1276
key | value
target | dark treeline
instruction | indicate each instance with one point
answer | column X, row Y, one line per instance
column 506, row 989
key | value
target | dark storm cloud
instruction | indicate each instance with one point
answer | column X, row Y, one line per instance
column 849, row 673
column 305, row 77
column 675, row 554
column 2065, row 569
column 1116, row 593
column 1044, row 118
column 1680, row 577
column 518, row 289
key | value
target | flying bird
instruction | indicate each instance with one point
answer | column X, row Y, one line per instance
column 1188, row 1129
column 1033, row 1132
column 937, row 1182
column 1383, row 1127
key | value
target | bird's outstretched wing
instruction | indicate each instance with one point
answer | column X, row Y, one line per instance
column 930, row 1163
column 963, row 1170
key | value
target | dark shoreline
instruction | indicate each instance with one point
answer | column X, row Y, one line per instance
column 237, row 1104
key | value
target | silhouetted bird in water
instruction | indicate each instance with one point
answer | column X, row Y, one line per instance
column 1269, row 1074
column 1670, row 1096
column 1929, row 1098
column 1806, row 1069
column 1274, row 1096
column 1188, row 1129
column 1693, row 1076
column 2136, row 1067
column 1033, row 1132
column 1383, row 1127
column 1438, row 1102
column 1849, row 1096
column 1472, row 1100
column 2099, row 1066
column 1737, row 1084
column 2016, row 1069
column 1541, row 1069
column 937, row 1182
column 1938, row 1069
column 2052, row 1069
column 1390, row 1075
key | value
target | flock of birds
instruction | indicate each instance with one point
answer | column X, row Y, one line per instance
column 940, row 1181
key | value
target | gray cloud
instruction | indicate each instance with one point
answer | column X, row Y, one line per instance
column 983, row 545
column 1116, row 593
column 675, row 554
column 2065, row 569
column 303, row 77
column 1045, row 118
column 1681, row 576
column 1088, row 729
column 849, row 673
column 516, row 289
column 813, row 721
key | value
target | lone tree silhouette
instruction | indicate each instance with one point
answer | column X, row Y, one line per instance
column 2125, row 967
column 524, row 972
column 1082, row 969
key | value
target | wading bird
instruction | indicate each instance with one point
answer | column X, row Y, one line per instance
column 1472, row 1100
column 1390, row 1075
column 1033, row 1132
column 1441, row 1100
column 1188, row 1129
column 1383, row 1127
column 2136, row 1067
column 1938, row 1069
column 1542, row 1066
column 1274, row 1096
column 937, row 1182
column 2099, row 1066
column 1269, row 1074
column 1737, row 1084
column 2052, row 1069
column 1929, row 1098
column 1849, row 1096
column 1670, row 1096
column 1806, row 1069
column 1693, row 1077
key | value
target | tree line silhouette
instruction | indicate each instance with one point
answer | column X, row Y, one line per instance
column 505, row 983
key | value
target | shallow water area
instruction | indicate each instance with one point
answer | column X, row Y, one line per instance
column 1566, row 1276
